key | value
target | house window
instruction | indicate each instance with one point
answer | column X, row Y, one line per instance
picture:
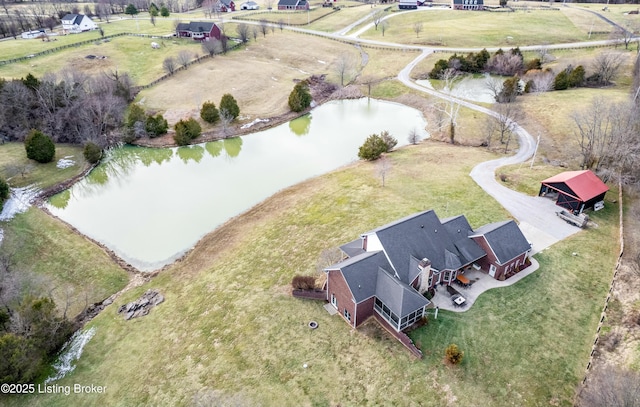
column 347, row 315
column 334, row 300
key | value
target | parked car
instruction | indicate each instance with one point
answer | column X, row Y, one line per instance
column 249, row 5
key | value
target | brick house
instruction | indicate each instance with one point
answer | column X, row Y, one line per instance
column 387, row 269
column 198, row 31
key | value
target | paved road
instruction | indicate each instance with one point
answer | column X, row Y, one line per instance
column 536, row 215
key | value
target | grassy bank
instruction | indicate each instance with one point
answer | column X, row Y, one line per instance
column 20, row 171
column 70, row 268
column 67, row 266
column 229, row 327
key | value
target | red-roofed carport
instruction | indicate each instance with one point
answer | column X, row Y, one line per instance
column 576, row 190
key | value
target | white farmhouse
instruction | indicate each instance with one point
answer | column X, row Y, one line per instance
column 77, row 23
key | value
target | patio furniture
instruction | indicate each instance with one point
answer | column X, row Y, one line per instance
column 463, row 281
column 458, row 300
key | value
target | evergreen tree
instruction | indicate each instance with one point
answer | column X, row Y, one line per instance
column 300, row 98
column 229, row 103
column 39, row 147
column 209, row 112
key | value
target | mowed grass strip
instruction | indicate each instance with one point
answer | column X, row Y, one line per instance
column 451, row 28
column 229, row 323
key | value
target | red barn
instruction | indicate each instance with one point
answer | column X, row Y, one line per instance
column 575, row 190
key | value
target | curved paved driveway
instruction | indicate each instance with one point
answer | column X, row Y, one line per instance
column 536, row 215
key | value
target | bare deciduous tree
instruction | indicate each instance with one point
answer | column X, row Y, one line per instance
column 281, row 24
column 254, row 32
column 184, row 57
column 376, row 17
column 264, row 27
column 503, row 124
column 417, row 28
column 625, row 32
column 327, row 258
column 383, row 26
column 414, row 136
column 608, row 138
column 169, row 65
column 226, row 118
column 448, row 107
column 507, row 64
column 542, row 81
column 606, row 66
column 611, row 387
column 383, row 166
column 212, row 46
column 344, row 67
column 243, row 32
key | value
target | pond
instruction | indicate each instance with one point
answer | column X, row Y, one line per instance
column 472, row 88
column 150, row 206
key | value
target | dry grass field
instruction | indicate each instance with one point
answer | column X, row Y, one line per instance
column 450, row 28
column 259, row 75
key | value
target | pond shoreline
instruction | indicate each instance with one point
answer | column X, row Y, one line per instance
column 321, row 91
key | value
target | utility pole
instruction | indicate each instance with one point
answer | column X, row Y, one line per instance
column 533, row 159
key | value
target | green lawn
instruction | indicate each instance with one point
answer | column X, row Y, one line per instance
column 18, row 48
column 229, row 324
column 73, row 269
column 13, row 158
column 450, row 28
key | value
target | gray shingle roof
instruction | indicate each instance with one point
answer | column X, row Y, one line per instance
column 361, row 273
column 420, row 235
column 292, row 2
column 460, row 230
column 353, row 248
column 401, row 298
column 196, row 26
column 505, row 238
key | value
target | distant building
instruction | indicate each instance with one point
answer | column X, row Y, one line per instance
column 198, row 31
column 293, row 5
column 467, row 4
column 34, row 34
column 77, row 23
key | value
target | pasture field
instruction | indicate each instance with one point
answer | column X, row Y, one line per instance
column 230, row 329
column 448, row 28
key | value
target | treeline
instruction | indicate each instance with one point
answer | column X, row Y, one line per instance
column 69, row 107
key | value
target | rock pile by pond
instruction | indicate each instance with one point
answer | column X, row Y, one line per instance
column 142, row 305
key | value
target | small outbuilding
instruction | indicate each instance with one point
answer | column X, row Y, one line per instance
column 575, row 190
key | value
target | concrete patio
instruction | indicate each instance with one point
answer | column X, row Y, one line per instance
column 481, row 282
